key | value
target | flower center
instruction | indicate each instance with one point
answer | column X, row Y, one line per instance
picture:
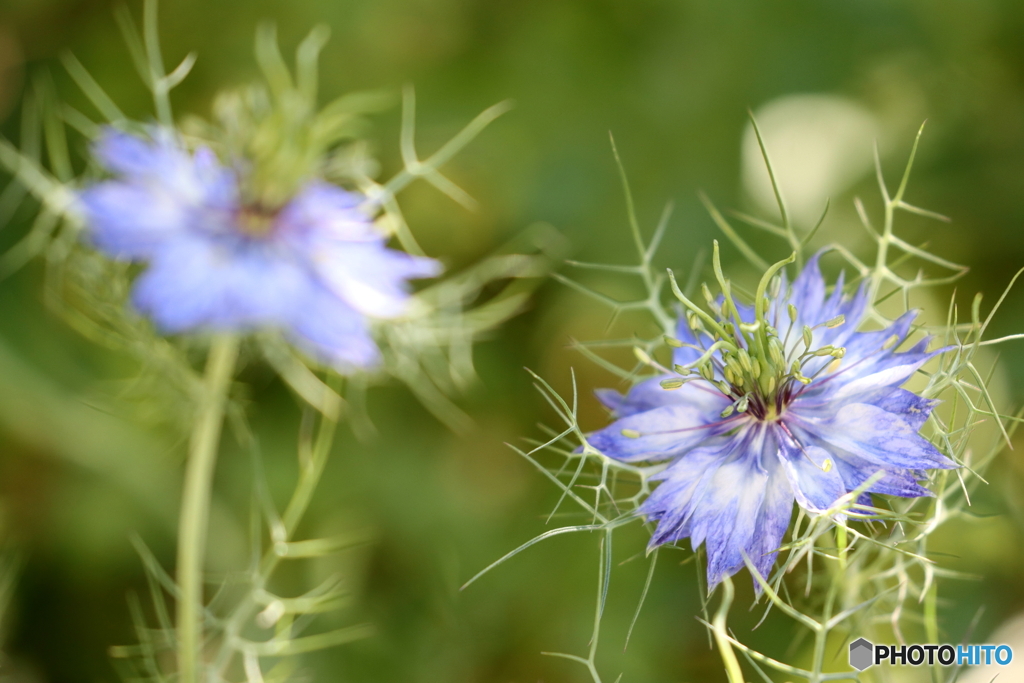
column 745, row 356
column 255, row 220
column 751, row 363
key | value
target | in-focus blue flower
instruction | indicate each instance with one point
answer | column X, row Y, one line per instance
column 801, row 407
column 315, row 267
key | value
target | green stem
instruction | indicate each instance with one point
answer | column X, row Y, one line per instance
column 721, row 633
column 195, row 504
column 841, row 543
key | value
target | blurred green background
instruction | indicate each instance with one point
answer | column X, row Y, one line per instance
column 673, row 80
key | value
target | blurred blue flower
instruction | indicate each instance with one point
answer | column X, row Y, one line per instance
column 315, row 268
column 742, row 449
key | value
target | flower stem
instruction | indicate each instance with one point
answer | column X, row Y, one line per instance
column 721, row 633
column 195, row 504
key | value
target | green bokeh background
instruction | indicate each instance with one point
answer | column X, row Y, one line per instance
column 673, row 80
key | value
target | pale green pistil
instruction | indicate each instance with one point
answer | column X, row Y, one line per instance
column 753, row 364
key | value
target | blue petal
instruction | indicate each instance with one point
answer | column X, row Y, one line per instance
column 727, row 508
column 164, row 193
column 832, row 305
column 665, row 432
column 671, row 502
column 871, row 433
column 199, row 283
column 333, row 332
column 868, row 345
column 133, row 156
column 867, row 366
column 814, row 309
column 370, row 277
column 855, row 471
column 649, row 394
column 720, row 496
column 725, row 519
column 163, row 165
column 815, row 489
column 852, row 309
column 128, row 221
column 323, row 213
column 325, row 224
column 913, row 409
column 772, row 520
column 886, row 371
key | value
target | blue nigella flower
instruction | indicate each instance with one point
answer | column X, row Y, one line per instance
column 792, row 404
column 314, row 267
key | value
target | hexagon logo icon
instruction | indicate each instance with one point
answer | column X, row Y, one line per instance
column 861, row 654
